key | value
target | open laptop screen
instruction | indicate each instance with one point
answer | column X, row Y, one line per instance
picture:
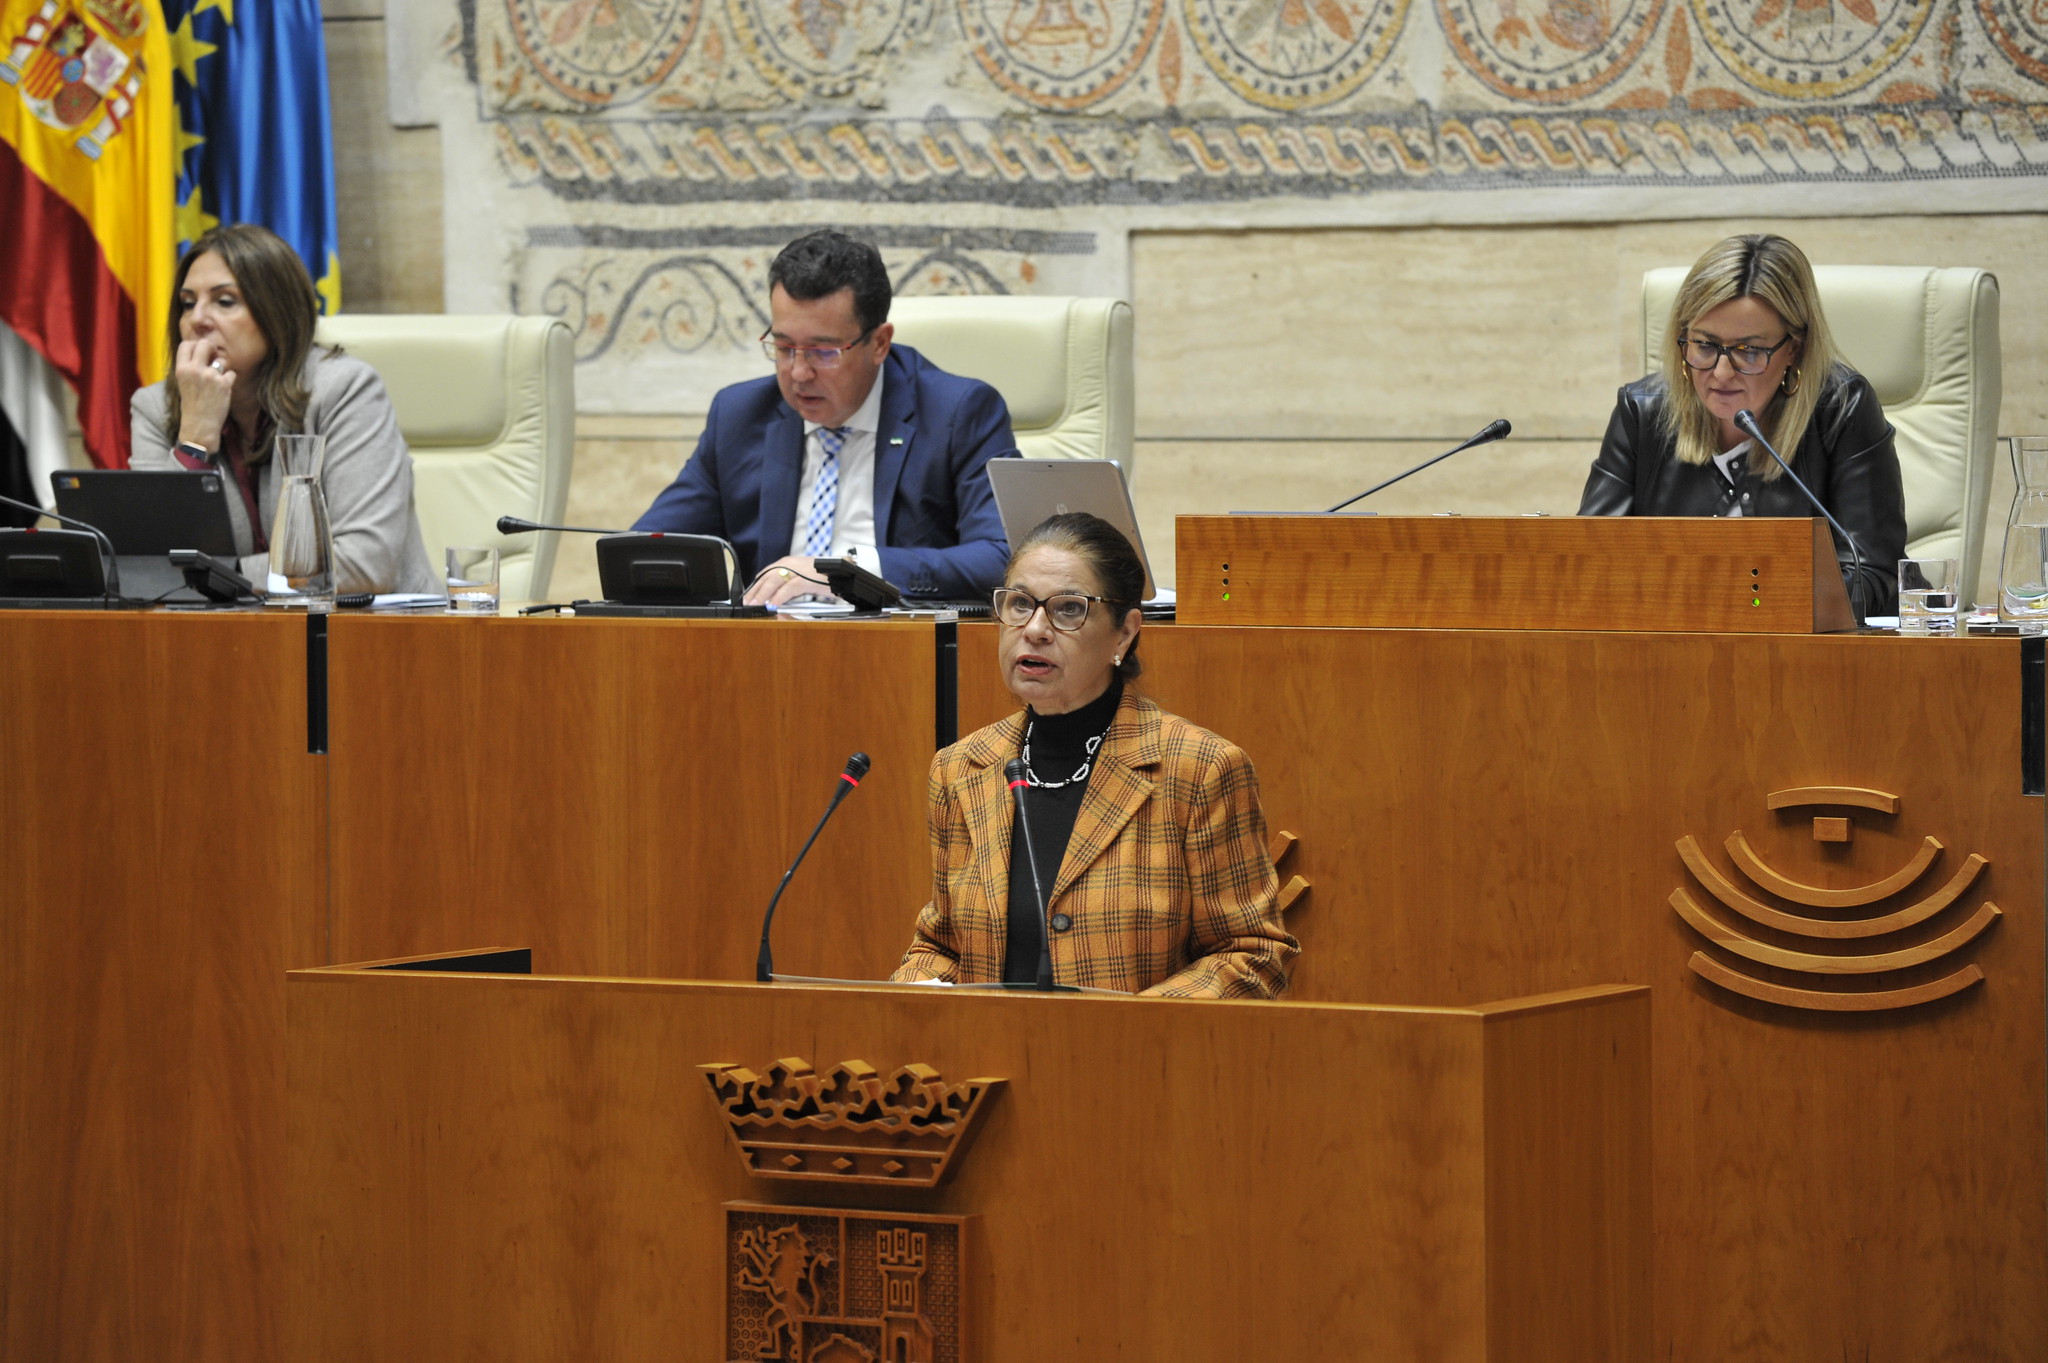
column 1029, row 490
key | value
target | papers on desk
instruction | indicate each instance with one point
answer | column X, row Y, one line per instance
column 408, row 601
column 812, row 609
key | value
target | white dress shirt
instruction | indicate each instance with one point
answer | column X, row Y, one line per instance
column 853, row 527
column 1731, row 464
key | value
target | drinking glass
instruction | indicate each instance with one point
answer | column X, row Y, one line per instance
column 472, row 580
column 1929, row 595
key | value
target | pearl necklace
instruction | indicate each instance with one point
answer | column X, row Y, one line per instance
column 1087, row 759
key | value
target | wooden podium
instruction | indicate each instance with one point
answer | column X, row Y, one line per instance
column 527, row 1168
column 1676, row 574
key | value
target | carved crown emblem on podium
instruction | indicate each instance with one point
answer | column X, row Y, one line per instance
column 849, row 1125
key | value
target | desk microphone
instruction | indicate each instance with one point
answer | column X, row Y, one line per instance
column 1495, row 431
column 856, row 767
column 518, row 525
column 1019, row 782
column 1746, row 420
column 112, row 568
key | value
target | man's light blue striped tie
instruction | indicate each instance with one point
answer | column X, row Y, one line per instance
column 824, row 494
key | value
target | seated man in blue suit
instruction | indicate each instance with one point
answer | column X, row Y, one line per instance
column 856, row 449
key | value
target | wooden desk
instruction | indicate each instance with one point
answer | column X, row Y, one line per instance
column 1490, row 814
column 163, row 861
column 1483, row 815
column 533, row 1169
column 624, row 795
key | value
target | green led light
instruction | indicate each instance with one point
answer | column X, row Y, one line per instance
column 1226, row 596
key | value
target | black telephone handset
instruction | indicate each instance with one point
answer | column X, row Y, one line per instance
column 856, row 585
column 211, row 578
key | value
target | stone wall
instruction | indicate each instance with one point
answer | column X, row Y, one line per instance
column 1311, row 313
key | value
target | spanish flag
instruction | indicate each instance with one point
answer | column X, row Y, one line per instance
column 86, row 207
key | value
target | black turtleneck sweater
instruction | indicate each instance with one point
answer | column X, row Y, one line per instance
column 1059, row 745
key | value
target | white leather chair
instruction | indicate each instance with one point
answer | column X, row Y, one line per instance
column 488, row 405
column 1927, row 339
column 1064, row 365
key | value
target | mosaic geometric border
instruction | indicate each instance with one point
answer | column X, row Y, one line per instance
column 1050, row 163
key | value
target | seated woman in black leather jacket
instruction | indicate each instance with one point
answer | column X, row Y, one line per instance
column 1748, row 334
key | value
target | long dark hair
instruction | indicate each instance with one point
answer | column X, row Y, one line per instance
column 1119, row 572
column 279, row 295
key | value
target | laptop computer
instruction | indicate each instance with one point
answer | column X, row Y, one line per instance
column 146, row 513
column 1029, row 490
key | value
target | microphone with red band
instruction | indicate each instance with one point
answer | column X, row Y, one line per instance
column 1019, row 783
column 856, row 767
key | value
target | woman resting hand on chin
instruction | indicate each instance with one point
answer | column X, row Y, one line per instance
column 1748, row 333
column 244, row 370
column 1150, row 842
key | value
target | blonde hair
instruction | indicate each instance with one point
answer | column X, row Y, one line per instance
column 1775, row 272
column 279, row 295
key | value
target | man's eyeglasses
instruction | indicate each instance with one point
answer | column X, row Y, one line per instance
column 1067, row 611
column 1747, row 359
column 816, row 356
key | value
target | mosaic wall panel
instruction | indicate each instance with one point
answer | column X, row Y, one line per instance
column 632, row 164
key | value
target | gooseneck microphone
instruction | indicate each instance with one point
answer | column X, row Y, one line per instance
column 1495, row 430
column 113, row 567
column 519, row 525
column 1019, row 782
column 856, row 767
column 1746, row 421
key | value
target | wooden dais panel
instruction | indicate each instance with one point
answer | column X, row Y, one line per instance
column 1686, row 574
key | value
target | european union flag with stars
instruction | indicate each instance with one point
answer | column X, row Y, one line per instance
column 253, row 139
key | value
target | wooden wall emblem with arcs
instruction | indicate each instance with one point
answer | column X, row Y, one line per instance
column 1846, row 976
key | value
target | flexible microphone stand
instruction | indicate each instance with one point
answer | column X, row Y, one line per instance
column 764, row 961
column 1746, row 421
column 1014, row 773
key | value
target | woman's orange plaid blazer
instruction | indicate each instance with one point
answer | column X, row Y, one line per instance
column 1167, row 876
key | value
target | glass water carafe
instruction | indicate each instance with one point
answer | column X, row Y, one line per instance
column 301, row 545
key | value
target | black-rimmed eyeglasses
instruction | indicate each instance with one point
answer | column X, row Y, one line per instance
column 1747, row 359
column 1067, row 611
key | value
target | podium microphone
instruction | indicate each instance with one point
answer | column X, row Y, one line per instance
column 1495, row 430
column 519, row 525
column 112, row 571
column 1014, row 774
column 856, row 767
column 1746, row 420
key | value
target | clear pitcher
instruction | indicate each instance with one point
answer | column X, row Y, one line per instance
column 301, row 544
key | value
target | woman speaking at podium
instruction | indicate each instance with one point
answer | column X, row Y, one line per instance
column 1149, row 841
column 1748, row 333
column 244, row 369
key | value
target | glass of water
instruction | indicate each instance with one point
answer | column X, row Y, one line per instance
column 1929, row 595
column 472, row 580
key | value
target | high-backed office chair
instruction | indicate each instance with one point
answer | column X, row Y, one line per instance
column 1063, row 365
column 488, row 405
column 1927, row 339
